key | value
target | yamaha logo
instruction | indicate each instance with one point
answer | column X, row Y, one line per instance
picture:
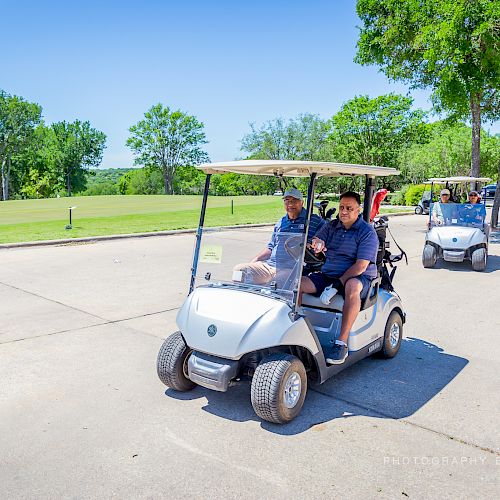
column 211, row 330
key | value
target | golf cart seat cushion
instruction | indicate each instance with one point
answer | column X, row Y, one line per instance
column 336, row 304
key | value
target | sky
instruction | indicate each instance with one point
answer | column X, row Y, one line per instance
column 228, row 63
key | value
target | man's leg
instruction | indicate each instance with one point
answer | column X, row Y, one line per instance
column 256, row 273
column 306, row 286
column 352, row 306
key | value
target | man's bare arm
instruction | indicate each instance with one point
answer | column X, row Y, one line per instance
column 359, row 267
column 264, row 255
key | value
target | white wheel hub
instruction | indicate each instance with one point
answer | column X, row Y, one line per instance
column 292, row 390
column 394, row 334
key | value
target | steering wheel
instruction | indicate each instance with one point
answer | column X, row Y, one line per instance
column 293, row 247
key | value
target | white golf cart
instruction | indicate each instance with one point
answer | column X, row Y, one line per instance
column 457, row 231
column 232, row 330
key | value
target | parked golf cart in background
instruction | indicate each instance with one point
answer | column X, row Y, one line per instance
column 423, row 205
column 233, row 330
column 457, row 231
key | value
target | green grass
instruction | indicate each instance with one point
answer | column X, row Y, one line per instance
column 35, row 220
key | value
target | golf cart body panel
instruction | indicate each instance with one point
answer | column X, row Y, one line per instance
column 327, row 319
column 244, row 322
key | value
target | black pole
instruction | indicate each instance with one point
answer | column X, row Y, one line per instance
column 369, row 190
column 70, row 216
column 309, row 209
column 199, row 232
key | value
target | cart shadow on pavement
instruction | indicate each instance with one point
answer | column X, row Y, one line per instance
column 391, row 389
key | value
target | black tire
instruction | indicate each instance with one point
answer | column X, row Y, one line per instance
column 276, row 377
column 393, row 334
column 429, row 256
column 419, row 210
column 479, row 259
column 171, row 364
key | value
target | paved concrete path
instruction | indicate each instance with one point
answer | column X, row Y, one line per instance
column 83, row 414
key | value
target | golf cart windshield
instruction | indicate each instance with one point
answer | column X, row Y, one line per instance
column 458, row 214
column 225, row 261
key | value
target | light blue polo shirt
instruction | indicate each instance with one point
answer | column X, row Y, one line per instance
column 345, row 246
column 286, row 226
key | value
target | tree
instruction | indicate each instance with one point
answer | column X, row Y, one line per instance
column 449, row 46
column 37, row 175
column 302, row 138
column 375, row 131
column 166, row 140
column 18, row 119
column 80, row 147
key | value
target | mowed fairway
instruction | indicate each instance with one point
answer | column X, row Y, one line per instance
column 34, row 220
column 37, row 220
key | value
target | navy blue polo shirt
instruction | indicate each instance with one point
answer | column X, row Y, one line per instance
column 345, row 246
column 286, row 225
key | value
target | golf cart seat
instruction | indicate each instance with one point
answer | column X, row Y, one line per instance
column 337, row 303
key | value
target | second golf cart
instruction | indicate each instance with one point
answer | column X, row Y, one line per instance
column 457, row 231
column 232, row 330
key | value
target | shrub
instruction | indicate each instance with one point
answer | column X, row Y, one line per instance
column 398, row 197
column 414, row 194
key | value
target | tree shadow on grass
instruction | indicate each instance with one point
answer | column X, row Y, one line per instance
column 392, row 389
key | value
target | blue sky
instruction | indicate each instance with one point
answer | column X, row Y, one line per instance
column 229, row 63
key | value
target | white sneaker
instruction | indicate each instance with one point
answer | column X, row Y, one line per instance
column 328, row 294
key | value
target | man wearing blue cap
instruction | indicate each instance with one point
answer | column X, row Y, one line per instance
column 263, row 267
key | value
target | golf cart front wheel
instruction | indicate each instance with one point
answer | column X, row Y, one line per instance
column 279, row 387
column 171, row 364
column 429, row 256
column 393, row 334
column 419, row 210
column 479, row 257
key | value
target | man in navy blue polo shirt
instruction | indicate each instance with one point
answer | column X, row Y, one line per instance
column 264, row 266
column 351, row 246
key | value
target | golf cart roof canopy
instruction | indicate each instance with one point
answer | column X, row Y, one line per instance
column 458, row 180
column 291, row 168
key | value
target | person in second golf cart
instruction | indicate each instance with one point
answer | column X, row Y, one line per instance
column 264, row 266
column 472, row 212
column 437, row 213
column 351, row 246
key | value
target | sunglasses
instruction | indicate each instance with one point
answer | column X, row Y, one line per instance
column 473, row 195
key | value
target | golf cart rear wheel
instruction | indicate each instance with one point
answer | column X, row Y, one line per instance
column 171, row 364
column 419, row 210
column 479, row 257
column 429, row 256
column 393, row 335
column 279, row 387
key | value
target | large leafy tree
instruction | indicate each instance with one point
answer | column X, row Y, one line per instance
column 80, row 148
column 37, row 172
column 375, row 131
column 449, row 46
column 447, row 153
column 18, row 119
column 301, row 138
column 166, row 140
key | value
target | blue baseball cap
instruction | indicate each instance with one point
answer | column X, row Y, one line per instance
column 294, row 193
